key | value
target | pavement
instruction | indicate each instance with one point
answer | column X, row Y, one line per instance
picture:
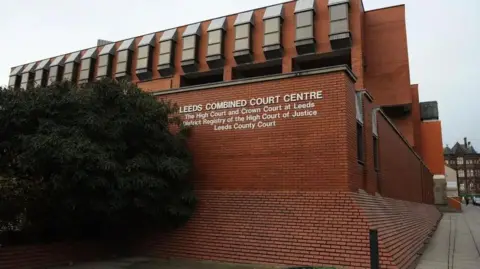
column 456, row 242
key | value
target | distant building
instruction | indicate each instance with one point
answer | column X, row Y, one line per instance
column 466, row 161
column 452, row 183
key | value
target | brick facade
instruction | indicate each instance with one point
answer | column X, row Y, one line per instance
column 293, row 194
column 296, row 194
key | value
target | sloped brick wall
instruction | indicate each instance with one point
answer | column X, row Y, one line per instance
column 298, row 228
column 403, row 227
column 286, row 228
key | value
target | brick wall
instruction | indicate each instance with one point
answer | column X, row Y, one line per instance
column 298, row 228
column 290, row 156
column 403, row 227
column 432, row 146
column 289, row 195
column 387, row 72
column 400, row 174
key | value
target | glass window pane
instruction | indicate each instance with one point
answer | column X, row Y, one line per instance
column 85, row 64
column 84, row 74
column 242, row 31
column 214, row 50
column 68, row 68
column 143, row 52
column 38, row 74
column 164, row 59
column 189, row 42
column 121, row 67
column 53, row 71
column 165, row 46
column 142, row 63
column 338, row 12
column 103, row 60
column 102, row 71
column 242, row 44
column 304, row 18
column 23, row 86
column 272, row 39
column 337, row 27
column 188, row 54
column 12, row 80
column 272, row 25
column 25, row 77
column 122, row 56
column 304, row 33
column 214, row 37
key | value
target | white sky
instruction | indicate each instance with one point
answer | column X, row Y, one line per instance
column 443, row 40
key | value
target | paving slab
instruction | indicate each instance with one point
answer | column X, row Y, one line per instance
column 456, row 242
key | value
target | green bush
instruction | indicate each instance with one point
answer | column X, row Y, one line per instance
column 91, row 160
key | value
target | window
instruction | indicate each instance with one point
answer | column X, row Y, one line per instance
column 71, row 67
column 469, row 162
column 375, row 153
column 144, row 59
column 12, row 81
column 70, row 71
column 164, row 58
column 123, row 63
column 242, row 37
column 477, row 173
column 339, row 25
column 24, row 83
column 15, row 77
column 167, row 53
column 190, row 47
column 360, row 151
column 124, row 59
column 53, row 75
column 461, row 173
column 215, row 42
column 272, row 34
column 38, row 77
column 459, row 160
column 243, row 34
column 304, row 26
column 165, row 47
column 470, row 173
column 304, row 19
column 87, row 69
column 104, row 66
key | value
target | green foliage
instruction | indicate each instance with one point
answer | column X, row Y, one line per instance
column 77, row 161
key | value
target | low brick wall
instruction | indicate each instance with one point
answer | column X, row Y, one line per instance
column 298, row 228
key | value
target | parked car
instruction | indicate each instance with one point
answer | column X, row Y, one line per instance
column 476, row 200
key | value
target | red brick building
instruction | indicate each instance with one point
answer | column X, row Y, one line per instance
column 307, row 131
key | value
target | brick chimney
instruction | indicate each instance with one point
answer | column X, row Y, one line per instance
column 465, row 141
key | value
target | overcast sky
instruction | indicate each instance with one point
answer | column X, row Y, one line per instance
column 443, row 41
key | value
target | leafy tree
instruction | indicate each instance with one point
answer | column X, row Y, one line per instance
column 82, row 161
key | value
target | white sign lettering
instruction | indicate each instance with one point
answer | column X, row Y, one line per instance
column 261, row 112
